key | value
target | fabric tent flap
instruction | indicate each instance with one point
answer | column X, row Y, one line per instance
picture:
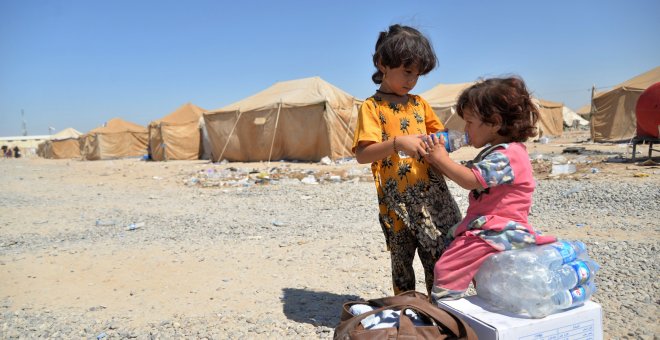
column 178, row 135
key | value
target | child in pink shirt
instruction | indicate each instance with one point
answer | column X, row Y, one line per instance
column 499, row 114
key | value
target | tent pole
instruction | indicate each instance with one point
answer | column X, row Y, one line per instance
column 230, row 134
column 277, row 118
column 591, row 112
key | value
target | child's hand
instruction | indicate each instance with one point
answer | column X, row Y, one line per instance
column 436, row 148
column 412, row 145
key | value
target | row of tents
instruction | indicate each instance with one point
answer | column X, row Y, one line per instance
column 308, row 119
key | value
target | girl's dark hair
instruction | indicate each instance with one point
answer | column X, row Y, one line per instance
column 506, row 97
column 403, row 45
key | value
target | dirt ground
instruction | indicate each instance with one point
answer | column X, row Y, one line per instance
column 155, row 280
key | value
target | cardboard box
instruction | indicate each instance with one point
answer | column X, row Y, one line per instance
column 584, row 322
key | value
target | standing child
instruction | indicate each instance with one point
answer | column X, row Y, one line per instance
column 499, row 114
column 415, row 206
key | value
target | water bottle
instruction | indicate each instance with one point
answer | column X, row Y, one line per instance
column 573, row 297
column 575, row 273
column 134, row 226
column 554, row 255
column 535, row 280
column 403, row 155
column 453, row 139
column 104, row 223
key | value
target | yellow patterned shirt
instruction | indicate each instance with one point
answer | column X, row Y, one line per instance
column 400, row 182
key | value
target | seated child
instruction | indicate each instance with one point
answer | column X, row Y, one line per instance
column 499, row 114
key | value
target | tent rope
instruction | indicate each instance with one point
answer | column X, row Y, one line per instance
column 354, row 106
column 272, row 142
column 230, row 134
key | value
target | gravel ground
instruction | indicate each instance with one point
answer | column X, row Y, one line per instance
column 271, row 257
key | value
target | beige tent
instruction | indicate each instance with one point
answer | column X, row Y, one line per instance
column 115, row 139
column 304, row 119
column 64, row 144
column 584, row 111
column 177, row 135
column 613, row 116
column 443, row 97
column 551, row 118
column 572, row 119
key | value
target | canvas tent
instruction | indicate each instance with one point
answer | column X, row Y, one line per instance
column 613, row 112
column 443, row 97
column 551, row 119
column 584, row 111
column 303, row 119
column 64, row 144
column 177, row 136
column 115, row 139
column 572, row 119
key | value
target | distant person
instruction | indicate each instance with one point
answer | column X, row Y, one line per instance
column 497, row 115
column 416, row 208
column 9, row 153
column 4, row 150
column 17, row 152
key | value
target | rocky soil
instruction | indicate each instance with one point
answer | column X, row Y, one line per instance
column 264, row 251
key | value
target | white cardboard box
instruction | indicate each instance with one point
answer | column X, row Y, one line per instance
column 584, row 322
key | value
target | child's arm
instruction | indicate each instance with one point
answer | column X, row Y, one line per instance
column 368, row 152
column 439, row 159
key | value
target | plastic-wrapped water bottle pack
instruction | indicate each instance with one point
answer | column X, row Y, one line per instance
column 538, row 280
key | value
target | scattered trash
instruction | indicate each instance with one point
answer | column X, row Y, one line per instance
column 158, row 178
column 134, row 226
column 101, row 336
column 582, row 160
column 278, row 223
column 102, row 223
column 641, row 174
column 594, row 170
column 563, row 169
column 580, row 225
column 544, row 140
column 310, row 179
column 40, row 222
column 537, row 156
column 572, row 191
column 559, row 160
column 573, row 149
column 326, row 160
column 278, row 175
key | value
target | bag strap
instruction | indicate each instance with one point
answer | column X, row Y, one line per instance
column 397, row 299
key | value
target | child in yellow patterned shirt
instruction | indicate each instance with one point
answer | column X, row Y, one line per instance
column 416, row 208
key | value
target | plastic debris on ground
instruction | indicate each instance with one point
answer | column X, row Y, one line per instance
column 278, row 175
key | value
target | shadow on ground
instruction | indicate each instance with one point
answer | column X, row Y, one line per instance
column 316, row 308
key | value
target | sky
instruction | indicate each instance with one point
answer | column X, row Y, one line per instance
column 80, row 63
